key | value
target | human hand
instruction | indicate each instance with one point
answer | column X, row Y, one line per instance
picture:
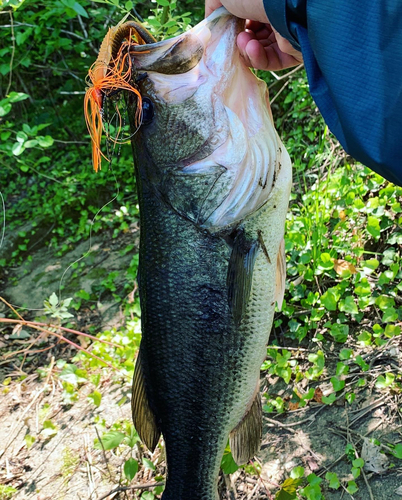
column 261, row 46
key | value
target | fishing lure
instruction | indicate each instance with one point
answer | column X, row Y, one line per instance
column 111, row 72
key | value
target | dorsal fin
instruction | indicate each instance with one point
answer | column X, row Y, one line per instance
column 143, row 417
column 280, row 275
column 245, row 439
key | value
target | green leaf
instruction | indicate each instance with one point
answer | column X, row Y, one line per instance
column 79, row 9
column 5, row 107
column 228, row 465
column 337, row 384
column 397, row 452
column 22, row 137
column 147, row 495
column 333, row 480
column 130, row 468
column 384, row 302
column 148, row 464
column 73, row 375
column 365, row 338
column 356, row 472
column 358, row 462
column 29, row 440
column 341, row 369
column 164, row 3
column 370, row 265
column 345, row 354
column 49, row 429
column 297, row 473
column 373, row 227
column 330, row 298
column 390, row 315
column 110, row 440
column 329, row 400
column 31, row 144
column 96, row 397
column 313, row 479
column 17, row 96
column 352, row 487
column 384, row 382
column 288, row 489
column 348, row 305
column 53, row 299
column 392, row 331
column 363, row 365
column 128, row 5
column 45, row 141
column 18, row 148
column 339, row 332
column 350, row 397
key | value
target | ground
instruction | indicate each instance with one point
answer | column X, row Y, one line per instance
column 59, row 460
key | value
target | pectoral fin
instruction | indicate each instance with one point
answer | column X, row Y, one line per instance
column 240, row 274
column 245, row 439
column 143, row 417
column 280, row 275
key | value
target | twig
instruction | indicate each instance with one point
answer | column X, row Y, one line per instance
column 286, row 75
column 47, row 27
column 130, row 488
column 10, row 78
column 50, row 325
column 279, row 92
column 104, row 454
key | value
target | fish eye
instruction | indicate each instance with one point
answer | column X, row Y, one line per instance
column 147, row 111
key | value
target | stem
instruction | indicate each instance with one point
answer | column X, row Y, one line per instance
column 165, row 14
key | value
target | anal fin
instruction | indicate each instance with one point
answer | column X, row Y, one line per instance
column 245, row 439
column 143, row 417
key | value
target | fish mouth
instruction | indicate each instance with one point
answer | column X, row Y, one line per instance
column 181, row 54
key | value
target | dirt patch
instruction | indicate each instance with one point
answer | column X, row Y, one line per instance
column 82, row 268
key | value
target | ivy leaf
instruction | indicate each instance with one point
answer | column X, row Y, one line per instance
column 373, row 227
column 337, row 384
column 397, row 452
column 288, row 489
column 333, row 480
column 339, row 332
column 329, row 400
column 330, row 298
column 348, row 305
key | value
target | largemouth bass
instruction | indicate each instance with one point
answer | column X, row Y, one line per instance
column 213, row 185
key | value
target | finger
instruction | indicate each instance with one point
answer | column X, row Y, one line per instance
column 211, row 5
column 256, row 55
column 243, row 39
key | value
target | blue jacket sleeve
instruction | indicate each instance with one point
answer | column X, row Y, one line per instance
column 353, row 57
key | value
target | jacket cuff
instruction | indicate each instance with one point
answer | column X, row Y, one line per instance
column 277, row 12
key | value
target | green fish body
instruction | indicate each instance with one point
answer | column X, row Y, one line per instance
column 213, row 184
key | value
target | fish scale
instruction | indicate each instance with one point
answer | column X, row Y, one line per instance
column 207, row 288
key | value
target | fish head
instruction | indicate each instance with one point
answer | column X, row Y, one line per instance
column 207, row 142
